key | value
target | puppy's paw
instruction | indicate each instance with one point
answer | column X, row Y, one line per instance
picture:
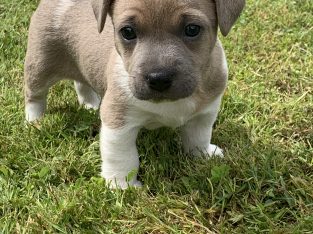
column 137, row 184
column 122, row 184
column 208, row 152
column 90, row 106
column 214, row 150
column 34, row 111
column 89, row 103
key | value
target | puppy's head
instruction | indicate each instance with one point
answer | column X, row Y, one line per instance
column 165, row 45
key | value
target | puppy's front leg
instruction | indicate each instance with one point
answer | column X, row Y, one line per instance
column 119, row 154
column 197, row 134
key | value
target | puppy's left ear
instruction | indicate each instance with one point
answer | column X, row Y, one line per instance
column 228, row 12
column 101, row 9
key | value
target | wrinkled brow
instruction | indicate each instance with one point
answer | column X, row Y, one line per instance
column 195, row 15
column 129, row 16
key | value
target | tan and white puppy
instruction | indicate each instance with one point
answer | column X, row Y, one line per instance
column 152, row 63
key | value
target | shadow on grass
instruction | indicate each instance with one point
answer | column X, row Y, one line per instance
column 162, row 157
column 78, row 121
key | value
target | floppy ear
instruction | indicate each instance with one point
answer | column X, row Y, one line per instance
column 100, row 9
column 228, row 12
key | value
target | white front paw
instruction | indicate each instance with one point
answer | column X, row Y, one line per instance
column 119, row 180
column 214, row 150
column 210, row 151
column 116, row 183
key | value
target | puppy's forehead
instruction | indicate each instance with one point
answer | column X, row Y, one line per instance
column 163, row 11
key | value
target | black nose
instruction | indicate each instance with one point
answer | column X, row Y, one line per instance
column 160, row 80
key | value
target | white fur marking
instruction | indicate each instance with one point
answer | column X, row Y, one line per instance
column 214, row 150
column 62, row 7
column 154, row 115
column 119, row 156
column 34, row 110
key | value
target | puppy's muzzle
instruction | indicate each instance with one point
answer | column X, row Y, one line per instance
column 160, row 80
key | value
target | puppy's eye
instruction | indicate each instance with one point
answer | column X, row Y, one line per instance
column 128, row 33
column 192, row 30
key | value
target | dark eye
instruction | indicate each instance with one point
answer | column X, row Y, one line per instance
column 128, row 33
column 192, row 30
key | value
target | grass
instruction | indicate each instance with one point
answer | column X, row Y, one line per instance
column 49, row 177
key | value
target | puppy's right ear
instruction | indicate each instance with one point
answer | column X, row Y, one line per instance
column 101, row 9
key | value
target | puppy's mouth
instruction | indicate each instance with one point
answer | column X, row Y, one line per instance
column 158, row 98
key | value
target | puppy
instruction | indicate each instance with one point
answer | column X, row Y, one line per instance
column 152, row 63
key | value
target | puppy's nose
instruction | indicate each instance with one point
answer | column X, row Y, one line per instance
column 160, row 80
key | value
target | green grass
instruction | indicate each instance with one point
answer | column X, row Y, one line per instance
column 49, row 177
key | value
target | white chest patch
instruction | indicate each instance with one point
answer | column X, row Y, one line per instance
column 155, row 115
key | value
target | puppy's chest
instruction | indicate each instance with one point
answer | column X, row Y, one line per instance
column 158, row 121
column 171, row 114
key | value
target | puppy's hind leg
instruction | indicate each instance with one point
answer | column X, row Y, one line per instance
column 36, row 90
column 39, row 76
column 35, row 105
column 87, row 97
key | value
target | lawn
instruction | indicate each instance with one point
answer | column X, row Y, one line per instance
column 49, row 176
